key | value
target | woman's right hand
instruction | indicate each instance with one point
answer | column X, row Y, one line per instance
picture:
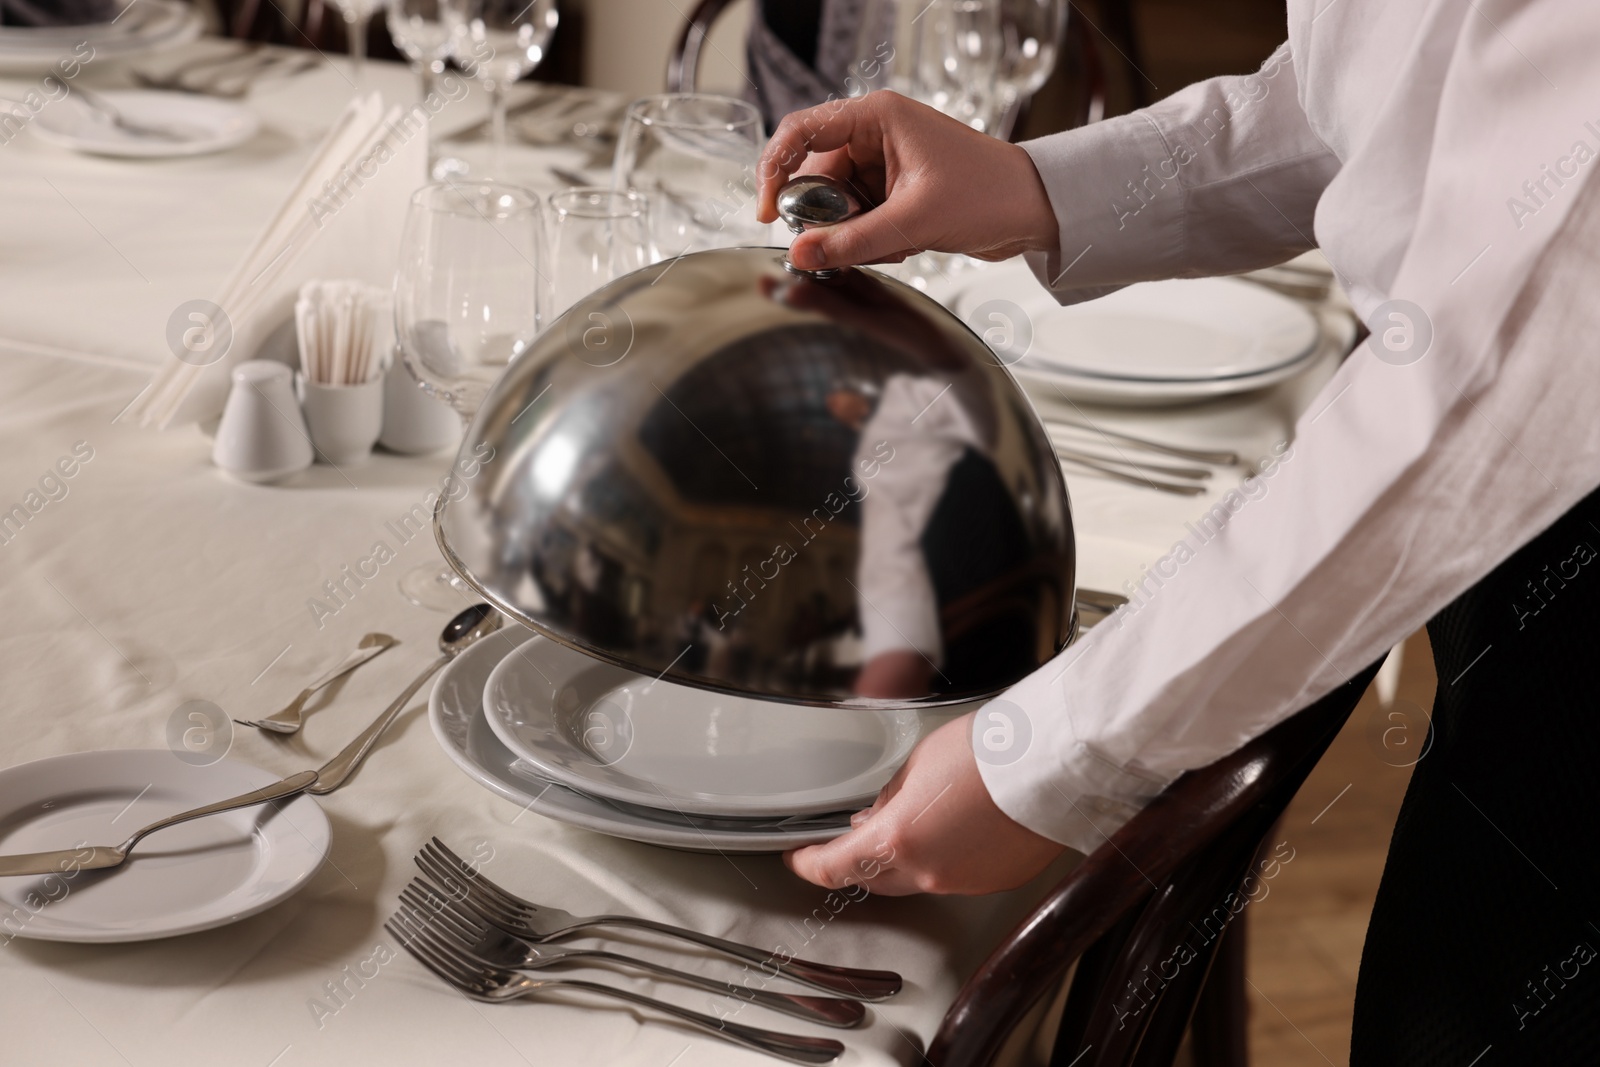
column 938, row 184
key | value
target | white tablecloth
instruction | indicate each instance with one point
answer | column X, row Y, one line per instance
column 156, row 580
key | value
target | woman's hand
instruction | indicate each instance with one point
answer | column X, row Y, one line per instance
column 933, row 829
column 939, row 184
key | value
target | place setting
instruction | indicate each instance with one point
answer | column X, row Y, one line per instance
column 711, row 542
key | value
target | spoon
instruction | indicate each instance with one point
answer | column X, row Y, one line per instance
column 465, row 629
column 469, row 626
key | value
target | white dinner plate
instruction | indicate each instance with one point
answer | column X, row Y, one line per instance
column 455, row 709
column 193, row 876
column 1190, row 330
column 147, row 26
column 203, row 124
column 1047, row 386
column 627, row 737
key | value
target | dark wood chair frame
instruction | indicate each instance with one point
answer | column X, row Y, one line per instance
column 1130, row 906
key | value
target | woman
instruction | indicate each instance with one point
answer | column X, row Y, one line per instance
column 1439, row 152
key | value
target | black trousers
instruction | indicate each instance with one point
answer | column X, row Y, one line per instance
column 1484, row 946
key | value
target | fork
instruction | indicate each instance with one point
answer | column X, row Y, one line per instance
column 288, row 719
column 486, row 982
column 479, row 938
column 539, row 925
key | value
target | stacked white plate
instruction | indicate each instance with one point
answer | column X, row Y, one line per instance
column 1149, row 344
column 140, row 26
column 596, row 746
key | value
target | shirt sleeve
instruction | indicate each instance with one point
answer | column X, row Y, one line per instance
column 1412, row 475
column 1218, row 178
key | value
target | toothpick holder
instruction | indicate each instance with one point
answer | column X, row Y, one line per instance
column 344, row 420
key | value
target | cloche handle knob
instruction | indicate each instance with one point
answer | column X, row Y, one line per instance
column 813, row 200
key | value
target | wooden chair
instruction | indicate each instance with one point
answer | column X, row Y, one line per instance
column 683, row 62
column 1160, row 882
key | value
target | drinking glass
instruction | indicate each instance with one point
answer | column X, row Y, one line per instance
column 466, row 303
column 425, row 31
column 500, row 41
column 693, row 155
column 599, row 235
column 945, row 53
column 1032, row 31
column 357, row 15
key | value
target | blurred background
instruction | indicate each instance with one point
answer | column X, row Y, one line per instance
column 1146, row 49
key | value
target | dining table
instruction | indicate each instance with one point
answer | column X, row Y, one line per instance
column 148, row 579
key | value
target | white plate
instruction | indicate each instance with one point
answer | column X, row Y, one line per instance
column 207, row 124
column 1047, row 386
column 1191, row 330
column 455, row 710
column 193, row 876
column 149, row 26
column 630, row 738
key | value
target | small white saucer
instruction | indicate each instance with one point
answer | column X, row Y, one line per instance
column 200, row 125
column 193, row 876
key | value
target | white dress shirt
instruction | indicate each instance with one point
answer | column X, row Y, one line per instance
column 900, row 609
column 1440, row 152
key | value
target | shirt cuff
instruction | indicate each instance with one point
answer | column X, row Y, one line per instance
column 1068, row 792
column 1119, row 218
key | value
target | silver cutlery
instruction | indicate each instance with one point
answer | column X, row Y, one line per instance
column 477, row 937
column 235, row 73
column 539, row 924
column 1199, row 455
column 465, row 629
column 175, row 79
column 1142, row 466
column 1133, row 477
column 108, row 112
column 104, row 857
column 486, row 982
column 569, row 177
column 234, row 83
column 1094, row 606
column 289, row 719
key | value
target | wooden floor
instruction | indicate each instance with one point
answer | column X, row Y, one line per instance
column 1306, row 933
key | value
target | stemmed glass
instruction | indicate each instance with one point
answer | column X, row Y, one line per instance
column 1033, row 31
column 599, row 235
column 467, row 301
column 500, row 41
column 694, row 156
column 425, row 31
column 357, row 15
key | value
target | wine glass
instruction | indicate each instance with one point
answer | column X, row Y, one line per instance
column 499, row 42
column 1032, row 32
column 466, row 303
column 425, row 32
column 945, row 53
column 357, row 15
column 694, row 156
column 599, row 235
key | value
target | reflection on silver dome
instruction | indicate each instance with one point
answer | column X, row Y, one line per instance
column 819, row 491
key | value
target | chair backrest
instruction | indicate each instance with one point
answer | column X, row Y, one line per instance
column 304, row 25
column 1078, row 54
column 683, row 62
column 1133, row 900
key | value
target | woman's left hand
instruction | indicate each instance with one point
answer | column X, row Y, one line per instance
column 933, row 829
